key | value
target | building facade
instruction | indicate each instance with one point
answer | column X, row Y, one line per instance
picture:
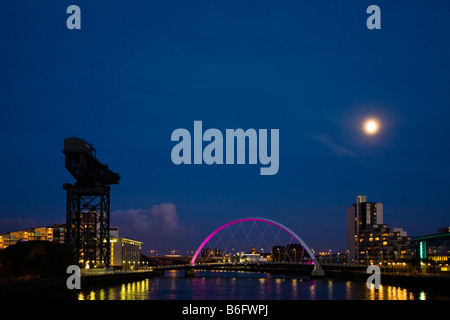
column 125, row 253
column 209, row 252
column 247, row 258
column 380, row 244
column 433, row 248
column 40, row 233
column 359, row 216
column 369, row 241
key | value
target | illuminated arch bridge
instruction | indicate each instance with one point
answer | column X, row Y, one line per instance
column 260, row 234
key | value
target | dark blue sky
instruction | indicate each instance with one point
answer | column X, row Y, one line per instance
column 137, row 70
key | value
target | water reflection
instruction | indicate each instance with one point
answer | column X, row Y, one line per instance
column 422, row 296
column 214, row 285
column 330, row 290
column 312, row 290
column 129, row 291
column 390, row 293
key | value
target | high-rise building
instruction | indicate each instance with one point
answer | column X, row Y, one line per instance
column 359, row 216
column 369, row 240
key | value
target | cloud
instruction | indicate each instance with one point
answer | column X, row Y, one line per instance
column 327, row 141
column 157, row 227
column 159, row 221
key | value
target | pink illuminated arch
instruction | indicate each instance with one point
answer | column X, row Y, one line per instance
column 317, row 266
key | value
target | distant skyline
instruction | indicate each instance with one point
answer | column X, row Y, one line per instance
column 137, row 71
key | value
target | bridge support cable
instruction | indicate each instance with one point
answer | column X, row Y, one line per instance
column 262, row 235
column 236, row 225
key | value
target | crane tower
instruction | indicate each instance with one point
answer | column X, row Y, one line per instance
column 88, row 204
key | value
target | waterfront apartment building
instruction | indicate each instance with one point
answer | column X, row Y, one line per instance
column 125, row 253
column 359, row 216
column 53, row 233
column 369, row 241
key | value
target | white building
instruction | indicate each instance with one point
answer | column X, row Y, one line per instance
column 125, row 253
column 248, row 257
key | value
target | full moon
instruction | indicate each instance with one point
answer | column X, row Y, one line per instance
column 371, row 126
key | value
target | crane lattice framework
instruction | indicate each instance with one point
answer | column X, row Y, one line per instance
column 88, row 203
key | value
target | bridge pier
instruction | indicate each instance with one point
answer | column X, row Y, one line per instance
column 317, row 275
column 318, row 272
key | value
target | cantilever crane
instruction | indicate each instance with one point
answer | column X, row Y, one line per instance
column 88, row 204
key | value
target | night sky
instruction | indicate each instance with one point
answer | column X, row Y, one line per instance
column 138, row 70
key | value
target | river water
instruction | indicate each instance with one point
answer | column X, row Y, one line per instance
column 234, row 285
